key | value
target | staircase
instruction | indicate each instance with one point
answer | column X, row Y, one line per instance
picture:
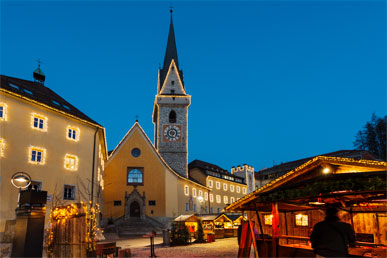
column 138, row 226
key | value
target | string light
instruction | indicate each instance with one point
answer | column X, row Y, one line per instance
column 61, row 215
column 73, row 133
column 71, row 162
column 5, row 112
column 40, row 118
column 34, row 158
column 2, row 147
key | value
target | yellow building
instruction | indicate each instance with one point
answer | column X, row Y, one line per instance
column 225, row 187
column 140, row 184
column 50, row 139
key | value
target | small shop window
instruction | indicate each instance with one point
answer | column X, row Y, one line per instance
column 302, row 220
column 117, row 203
column 268, row 219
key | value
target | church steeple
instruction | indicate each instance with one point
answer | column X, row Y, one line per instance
column 170, row 54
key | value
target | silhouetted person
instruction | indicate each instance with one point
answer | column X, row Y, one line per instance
column 330, row 238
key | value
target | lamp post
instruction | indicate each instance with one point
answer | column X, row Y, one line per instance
column 200, row 199
column 30, row 215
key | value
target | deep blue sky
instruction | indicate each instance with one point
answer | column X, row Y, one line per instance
column 270, row 81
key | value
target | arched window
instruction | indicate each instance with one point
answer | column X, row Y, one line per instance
column 135, row 176
column 172, row 117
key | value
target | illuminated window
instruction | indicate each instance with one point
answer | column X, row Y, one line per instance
column 302, row 220
column 69, row 192
column 224, row 186
column 2, row 147
column 39, row 122
column 3, row 112
column 218, row 198
column 232, row 199
column 231, row 188
column 210, row 183
column 211, row 198
column 135, row 176
column 268, row 219
column 194, row 192
column 36, row 155
column 244, row 190
column 201, row 193
column 206, row 196
column 225, row 199
column 73, row 133
column 238, row 189
column 217, row 185
column 71, row 162
column 186, row 190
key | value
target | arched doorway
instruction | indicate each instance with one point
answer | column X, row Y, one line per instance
column 135, row 209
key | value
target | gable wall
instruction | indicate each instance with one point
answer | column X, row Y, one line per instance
column 116, row 177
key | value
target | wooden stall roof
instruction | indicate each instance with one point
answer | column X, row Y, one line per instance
column 187, row 218
column 337, row 166
column 222, row 218
column 235, row 217
column 210, row 217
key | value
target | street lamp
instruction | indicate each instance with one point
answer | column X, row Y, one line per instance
column 200, row 199
column 21, row 180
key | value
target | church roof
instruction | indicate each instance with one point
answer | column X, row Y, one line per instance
column 170, row 54
column 137, row 126
column 38, row 93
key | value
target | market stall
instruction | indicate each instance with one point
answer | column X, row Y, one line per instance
column 286, row 209
column 190, row 221
column 237, row 220
column 208, row 225
column 223, row 226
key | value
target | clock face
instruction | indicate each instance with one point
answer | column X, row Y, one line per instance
column 172, row 133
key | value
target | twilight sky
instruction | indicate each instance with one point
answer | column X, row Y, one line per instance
column 271, row 82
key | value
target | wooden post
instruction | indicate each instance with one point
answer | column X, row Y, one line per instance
column 263, row 233
column 286, row 228
column 275, row 228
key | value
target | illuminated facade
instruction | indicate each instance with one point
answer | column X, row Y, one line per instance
column 140, row 183
column 44, row 135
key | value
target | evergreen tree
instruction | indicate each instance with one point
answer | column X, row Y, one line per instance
column 373, row 137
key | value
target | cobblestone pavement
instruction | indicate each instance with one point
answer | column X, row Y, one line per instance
column 226, row 247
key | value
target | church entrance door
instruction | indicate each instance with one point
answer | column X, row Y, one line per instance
column 135, row 209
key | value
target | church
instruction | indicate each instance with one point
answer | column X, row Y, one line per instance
column 146, row 180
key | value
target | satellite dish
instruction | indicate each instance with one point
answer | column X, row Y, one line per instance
column 21, row 180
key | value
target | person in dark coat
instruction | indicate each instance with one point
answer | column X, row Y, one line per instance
column 331, row 237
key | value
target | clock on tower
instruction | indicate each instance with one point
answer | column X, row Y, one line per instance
column 170, row 112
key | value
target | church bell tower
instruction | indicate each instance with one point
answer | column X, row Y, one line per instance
column 170, row 112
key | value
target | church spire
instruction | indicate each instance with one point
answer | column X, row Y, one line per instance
column 170, row 54
column 171, row 51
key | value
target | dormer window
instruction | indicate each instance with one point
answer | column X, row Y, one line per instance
column 173, row 82
column 172, row 117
